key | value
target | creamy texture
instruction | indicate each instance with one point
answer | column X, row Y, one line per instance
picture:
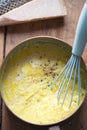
column 26, row 85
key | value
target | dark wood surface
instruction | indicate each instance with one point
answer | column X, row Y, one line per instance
column 63, row 28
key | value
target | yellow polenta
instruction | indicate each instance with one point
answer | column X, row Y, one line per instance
column 26, row 84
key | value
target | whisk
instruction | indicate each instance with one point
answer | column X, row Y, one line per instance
column 72, row 68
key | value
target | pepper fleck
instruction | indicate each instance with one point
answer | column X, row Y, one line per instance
column 53, row 75
column 51, row 69
column 56, row 63
column 37, row 46
column 48, row 60
column 40, row 57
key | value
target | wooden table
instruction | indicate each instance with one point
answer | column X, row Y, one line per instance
column 63, row 28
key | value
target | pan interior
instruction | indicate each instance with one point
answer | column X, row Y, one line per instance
column 27, row 74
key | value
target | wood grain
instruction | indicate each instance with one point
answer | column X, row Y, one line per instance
column 63, row 28
column 1, row 44
column 1, row 58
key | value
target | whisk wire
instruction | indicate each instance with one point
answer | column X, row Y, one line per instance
column 68, row 83
column 79, row 81
column 72, row 94
column 63, row 80
column 66, row 75
column 61, row 73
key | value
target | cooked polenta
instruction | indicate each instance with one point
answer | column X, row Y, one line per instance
column 26, row 84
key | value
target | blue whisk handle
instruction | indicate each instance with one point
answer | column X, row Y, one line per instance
column 81, row 33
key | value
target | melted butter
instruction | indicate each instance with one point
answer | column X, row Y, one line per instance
column 26, row 85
